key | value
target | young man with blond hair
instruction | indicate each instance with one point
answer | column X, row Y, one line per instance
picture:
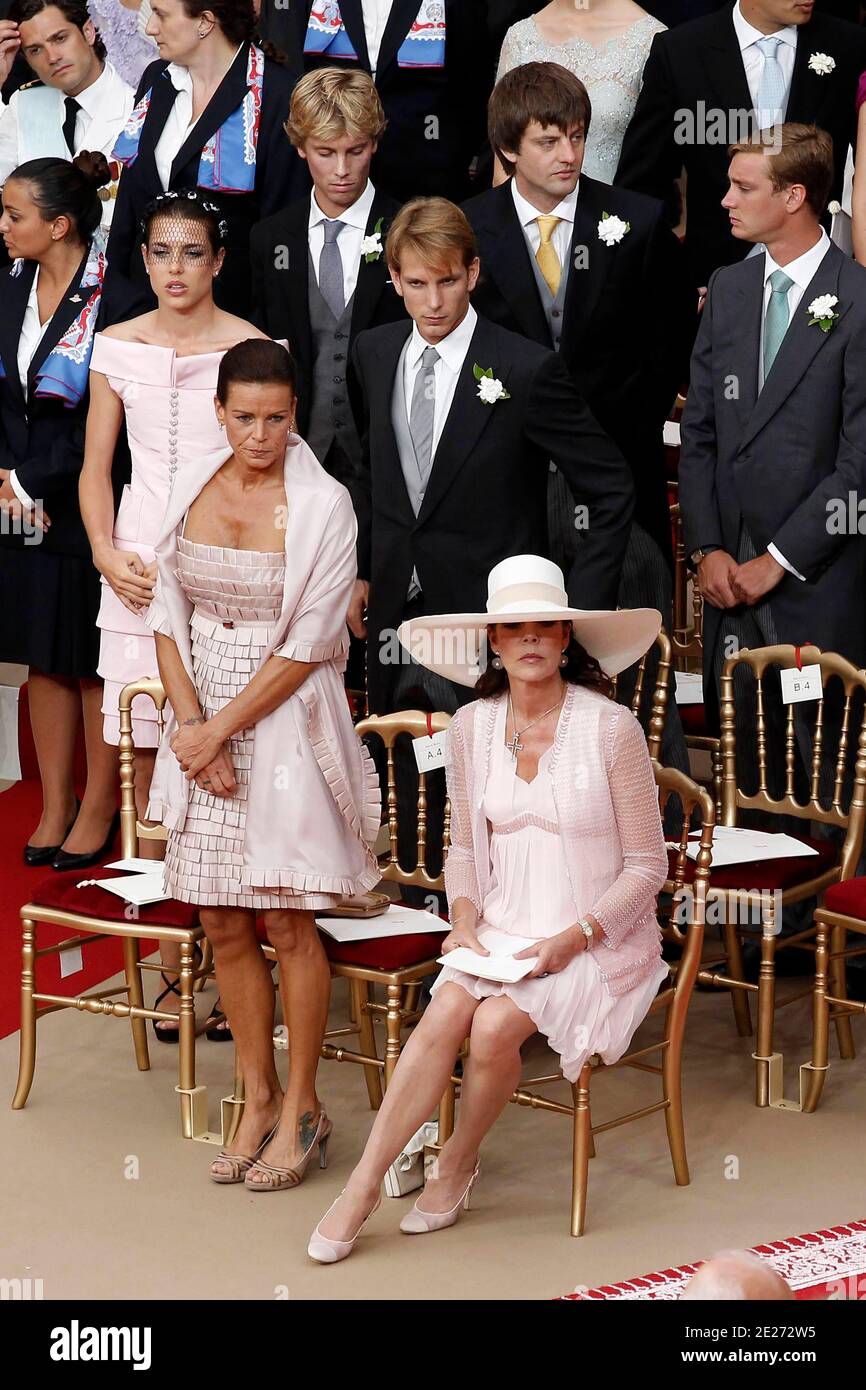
column 318, row 268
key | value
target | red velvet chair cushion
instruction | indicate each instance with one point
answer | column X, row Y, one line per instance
column 849, row 898
column 768, row 874
column 59, row 891
column 694, row 720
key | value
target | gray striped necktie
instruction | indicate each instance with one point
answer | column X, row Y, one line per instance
column 423, row 411
column 331, row 270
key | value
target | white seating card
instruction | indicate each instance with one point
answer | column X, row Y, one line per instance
column 397, row 921
column 504, row 969
column 689, row 687
column 735, row 845
column 139, row 889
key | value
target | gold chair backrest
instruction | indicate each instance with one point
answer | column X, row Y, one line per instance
column 653, row 719
column 131, row 828
column 689, row 899
column 389, row 727
column 833, row 667
column 687, row 637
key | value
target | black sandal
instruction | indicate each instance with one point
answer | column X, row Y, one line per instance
column 166, row 1033
column 216, row 1033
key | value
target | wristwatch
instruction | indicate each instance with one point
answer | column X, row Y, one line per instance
column 701, row 553
column 588, row 933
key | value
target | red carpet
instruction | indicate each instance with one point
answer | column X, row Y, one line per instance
column 20, row 809
column 822, row 1264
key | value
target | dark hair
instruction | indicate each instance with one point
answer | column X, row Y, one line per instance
column 544, row 92
column 61, row 188
column 189, row 204
column 581, row 669
column 75, row 11
column 236, row 18
column 256, row 361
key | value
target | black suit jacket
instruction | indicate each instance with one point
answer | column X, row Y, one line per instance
column 279, row 175
column 280, row 285
column 437, row 118
column 628, row 323
column 698, row 68
column 486, row 496
column 40, row 437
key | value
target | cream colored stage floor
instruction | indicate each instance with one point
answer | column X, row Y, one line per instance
column 70, row 1217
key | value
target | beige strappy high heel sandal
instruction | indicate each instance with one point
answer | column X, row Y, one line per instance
column 276, row 1178
column 239, row 1164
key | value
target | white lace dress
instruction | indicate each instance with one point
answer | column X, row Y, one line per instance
column 611, row 73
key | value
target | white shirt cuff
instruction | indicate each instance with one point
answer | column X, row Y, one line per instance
column 24, row 498
column 786, row 564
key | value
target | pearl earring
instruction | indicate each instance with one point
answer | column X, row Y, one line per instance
column 496, row 663
column 563, row 660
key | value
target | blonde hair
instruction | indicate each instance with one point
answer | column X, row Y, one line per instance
column 805, row 155
column 434, row 229
column 329, row 102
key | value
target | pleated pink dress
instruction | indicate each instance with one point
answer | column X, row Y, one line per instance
column 237, row 595
column 170, row 416
column 529, row 896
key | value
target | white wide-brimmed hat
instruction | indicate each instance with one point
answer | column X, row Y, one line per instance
column 525, row 589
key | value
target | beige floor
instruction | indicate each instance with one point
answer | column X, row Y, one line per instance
column 71, row 1217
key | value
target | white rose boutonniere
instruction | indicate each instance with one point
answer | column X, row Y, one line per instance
column 612, row 229
column 823, row 311
column 821, row 63
column 834, row 207
column 371, row 246
column 490, row 388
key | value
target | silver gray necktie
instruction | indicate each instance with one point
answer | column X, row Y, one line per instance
column 331, row 270
column 423, row 410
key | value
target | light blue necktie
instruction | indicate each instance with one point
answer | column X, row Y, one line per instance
column 770, row 107
column 776, row 318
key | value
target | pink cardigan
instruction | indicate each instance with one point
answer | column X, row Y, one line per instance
column 607, row 807
column 320, row 573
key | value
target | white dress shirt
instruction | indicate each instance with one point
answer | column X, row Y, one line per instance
column 801, row 271
column 452, row 352
column 105, row 106
column 562, row 235
column 753, row 58
column 179, row 121
column 32, row 332
column 355, row 219
column 376, row 13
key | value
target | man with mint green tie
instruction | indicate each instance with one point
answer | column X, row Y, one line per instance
column 774, row 428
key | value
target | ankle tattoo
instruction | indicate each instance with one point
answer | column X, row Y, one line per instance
column 307, row 1126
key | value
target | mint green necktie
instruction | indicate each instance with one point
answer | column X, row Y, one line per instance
column 776, row 318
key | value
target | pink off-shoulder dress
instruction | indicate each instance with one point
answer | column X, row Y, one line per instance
column 529, row 895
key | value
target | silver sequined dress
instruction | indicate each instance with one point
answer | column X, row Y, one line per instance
column 611, row 73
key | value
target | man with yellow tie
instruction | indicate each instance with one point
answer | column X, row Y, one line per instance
column 593, row 272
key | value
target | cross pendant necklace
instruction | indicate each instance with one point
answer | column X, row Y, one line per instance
column 513, row 744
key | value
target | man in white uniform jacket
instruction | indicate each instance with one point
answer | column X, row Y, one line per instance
column 79, row 103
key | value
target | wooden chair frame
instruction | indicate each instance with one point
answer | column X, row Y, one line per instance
column 672, row 1000
column 36, row 1004
column 654, row 724
column 830, row 951
column 769, row 1063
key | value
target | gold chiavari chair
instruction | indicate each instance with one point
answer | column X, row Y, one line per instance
column 684, row 925
column 89, row 914
column 843, row 911
column 651, row 707
column 778, row 882
column 687, row 643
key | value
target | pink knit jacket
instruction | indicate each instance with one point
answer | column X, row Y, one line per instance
column 607, row 807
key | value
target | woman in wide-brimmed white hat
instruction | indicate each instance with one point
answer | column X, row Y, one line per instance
column 555, row 838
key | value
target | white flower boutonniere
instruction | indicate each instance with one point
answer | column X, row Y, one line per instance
column 490, row 388
column 823, row 311
column 834, row 207
column 612, row 229
column 371, row 246
column 821, row 63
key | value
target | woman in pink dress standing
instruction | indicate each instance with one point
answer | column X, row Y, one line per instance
column 271, row 801
column 556, row 841
column 157, row 373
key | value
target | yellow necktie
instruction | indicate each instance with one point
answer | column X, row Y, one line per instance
column 548, row 261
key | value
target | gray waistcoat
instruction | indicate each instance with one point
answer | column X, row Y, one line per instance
column 330, row 415
column 554, row 308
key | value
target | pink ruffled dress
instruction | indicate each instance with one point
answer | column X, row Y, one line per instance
column 529, row 895
column 237, row 596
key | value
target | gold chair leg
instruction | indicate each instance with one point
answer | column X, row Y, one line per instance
column 766, row 1064
column 232, row 1107
column 360, row 995
column 839, row 990
column 446, row 1115
column 672, row 1089
column 393, row 1021
column 413, row 994
column 27, row 1039
column 206, row 965
column 193, row 1099
column 814, row 1074
column 132, row 970
column 739, row 997
column 580, row 1151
